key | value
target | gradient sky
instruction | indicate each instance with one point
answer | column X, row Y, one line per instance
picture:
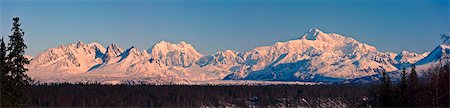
column 210, row 26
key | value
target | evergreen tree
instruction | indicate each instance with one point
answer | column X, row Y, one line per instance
column 16, row 61
column 4, row 77
column 386, row 91
column 402, row 94
column 413, row 86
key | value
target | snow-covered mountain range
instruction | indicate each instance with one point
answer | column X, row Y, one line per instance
column 315, row 56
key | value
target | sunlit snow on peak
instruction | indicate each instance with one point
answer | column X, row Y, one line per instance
column 312, row 34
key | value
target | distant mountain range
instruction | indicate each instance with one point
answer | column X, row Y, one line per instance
column 316, row 56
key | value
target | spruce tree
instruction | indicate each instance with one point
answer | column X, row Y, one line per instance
column 386, row 91
column 402, row 94
column 16, row 61
column 4, row 77
column 413, row 86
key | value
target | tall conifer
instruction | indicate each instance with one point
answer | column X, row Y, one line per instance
column 19, row 81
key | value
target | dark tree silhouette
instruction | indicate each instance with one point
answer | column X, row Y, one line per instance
column 386, row 91
column 97, row 95
column 413, row 86
column 4, row 77
column 18, row 81
column 402, row 93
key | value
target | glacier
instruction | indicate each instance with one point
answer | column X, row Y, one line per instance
column 316, row 56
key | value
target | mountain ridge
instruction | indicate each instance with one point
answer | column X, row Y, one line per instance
column 315, row 56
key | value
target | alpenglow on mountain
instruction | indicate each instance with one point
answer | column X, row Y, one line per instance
column 316, row 56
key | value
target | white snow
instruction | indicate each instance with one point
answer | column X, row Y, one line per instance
column 410, row 57
column 316, row 56
column 168, row 54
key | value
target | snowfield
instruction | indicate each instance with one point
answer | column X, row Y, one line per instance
column 314, row 57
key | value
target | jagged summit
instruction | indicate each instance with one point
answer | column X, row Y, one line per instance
column 112, row 51
column 79, row 43
column 311, row 34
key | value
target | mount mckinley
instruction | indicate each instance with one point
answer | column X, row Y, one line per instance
column 316, row 56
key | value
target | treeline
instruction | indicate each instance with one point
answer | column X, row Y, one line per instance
column 95, row 95
column 431, row 90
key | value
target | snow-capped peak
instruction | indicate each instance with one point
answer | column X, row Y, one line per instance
column 182, row 54
column 164, row 47
column 112, row 51
column 439, row 53
column 404, row 52
column 184, row 44
column 230, row 53
column 72, row 58
column 410, row 57
column 98, row 46
column 312, row 34
column 329, row 54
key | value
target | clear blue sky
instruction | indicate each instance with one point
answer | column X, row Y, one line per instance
column 210, row 26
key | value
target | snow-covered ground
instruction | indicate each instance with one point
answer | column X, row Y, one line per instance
column 251, row 82
column 166, row 81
